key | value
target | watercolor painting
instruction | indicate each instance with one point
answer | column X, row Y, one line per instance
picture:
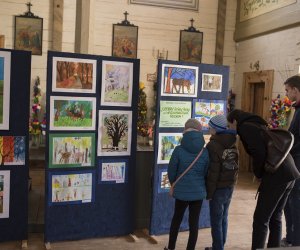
column 112, row 171
column 4, row 193
column 72, row 113
column 211, row 82
column 71, row 150
column 179, row 80
column 5, row 60
column 204, row 110
column 74, row 75
column 12, row 150
column 164, row 183
column 166, row 144
column 114, row 132
column 117, row 81
column 71, row 187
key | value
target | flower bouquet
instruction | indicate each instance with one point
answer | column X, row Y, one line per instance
column 280, row 110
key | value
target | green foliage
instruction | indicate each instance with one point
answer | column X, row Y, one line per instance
column 116, row 95
column 70, row 122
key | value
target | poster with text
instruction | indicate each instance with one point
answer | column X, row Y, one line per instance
column 4, row 193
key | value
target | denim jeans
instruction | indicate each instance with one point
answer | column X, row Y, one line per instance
column 219, row 206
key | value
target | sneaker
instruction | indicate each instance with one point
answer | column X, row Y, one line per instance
column 285, row 243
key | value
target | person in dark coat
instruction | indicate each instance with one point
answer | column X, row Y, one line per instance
column 274, row 188
column 190, row 189
column 292, row 207
column 221, row 178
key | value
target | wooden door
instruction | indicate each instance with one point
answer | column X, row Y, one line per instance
column 256, row 98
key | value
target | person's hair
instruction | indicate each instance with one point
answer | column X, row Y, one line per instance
column 234, row 115
column 293, row 81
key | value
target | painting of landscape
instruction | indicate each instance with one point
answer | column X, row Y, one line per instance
column 166, row 144
column 12, row 150
column 5, row 60
column 74, row 75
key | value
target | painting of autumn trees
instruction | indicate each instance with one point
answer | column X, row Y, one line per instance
column 12, row 150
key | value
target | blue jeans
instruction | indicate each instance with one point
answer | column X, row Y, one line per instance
column 219, row 206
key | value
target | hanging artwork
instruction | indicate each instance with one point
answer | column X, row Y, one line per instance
column 204, row 110
column 112, row 171
column 211, row 82
column 117, row 80
column 71, row 150
column 5, row 60
column 12, row 150
column 179, row 80
column 74, row 75
column 166, row 145
column 164, row 183
column 71, row 187
column 114, row 132
column 72, row 113
column 4, row 193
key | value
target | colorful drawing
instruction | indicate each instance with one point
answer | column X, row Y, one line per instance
column 5, row 59
column 72, row 187
column 12, row 150
column 72, row 113
column 74, row 75
column 203, row 110
column 179, row 80
column 71, row 150
column 164, row 183
column 166, row 144
column 211, row 82
column 117, row 83
column 4, row 193
column 112, row 171
column 114, row 132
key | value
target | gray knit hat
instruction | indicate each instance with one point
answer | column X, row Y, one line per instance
column 192, row 125
column 218, row 122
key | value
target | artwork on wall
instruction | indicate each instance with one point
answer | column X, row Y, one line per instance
column 71, row 150
column 5, row 61
column 179, row 80
column 204, row 110
column 117, row 81
column 166, row 144
column 112, row 171
column 174, row 113
column 12, row 150
column 4, row 193
column 71, row 187
column 72, row 113
column 114, row 132
column 211, row 82
column 29, row 34
column 2, row 41
column 186, row 5
column 164, row 183
column 74, row 75
column 190, row 48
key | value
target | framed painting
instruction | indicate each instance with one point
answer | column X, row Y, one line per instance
column 192, row 5
column 5, row 61
column 12, row 150
column 166, row 145
column 114, row 132
column 164, row 184
column 72, row 187
column 71, row 150
column 191, row 44
column 4, row 193
column 29, row 34
column 112, row 171
column 74, row 75
column 179, row 80
column 2, row 41
column 117, row 81
column 72, row 113
column 125, row 41
column 211, row 82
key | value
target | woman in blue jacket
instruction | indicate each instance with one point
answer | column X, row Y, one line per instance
column 190, row 189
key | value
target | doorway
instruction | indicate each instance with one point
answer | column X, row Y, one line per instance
column 256, row 98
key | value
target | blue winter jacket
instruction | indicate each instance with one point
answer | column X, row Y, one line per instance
column 191, row 186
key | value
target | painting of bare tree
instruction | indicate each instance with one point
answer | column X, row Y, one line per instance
column 114, row 132
column 74, row 75
column 12, row 150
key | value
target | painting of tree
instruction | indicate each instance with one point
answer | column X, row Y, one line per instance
column 12, row 150
column 166, row 144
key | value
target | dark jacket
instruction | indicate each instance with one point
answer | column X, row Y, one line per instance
column 219, row 176
column 249, row 130
column 295, row 130
column 192, row 185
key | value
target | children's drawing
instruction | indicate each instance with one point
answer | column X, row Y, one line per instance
column 117, row 81
column 179, row 80
column 5, row 59
column 114, row 132
column 211, row 82
column 74, row 75
column 4, row 193
column 71, row 150
column 164, row 183
column 72, row 113
column 12, row 150
column 166, row 144
column 112, row 171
